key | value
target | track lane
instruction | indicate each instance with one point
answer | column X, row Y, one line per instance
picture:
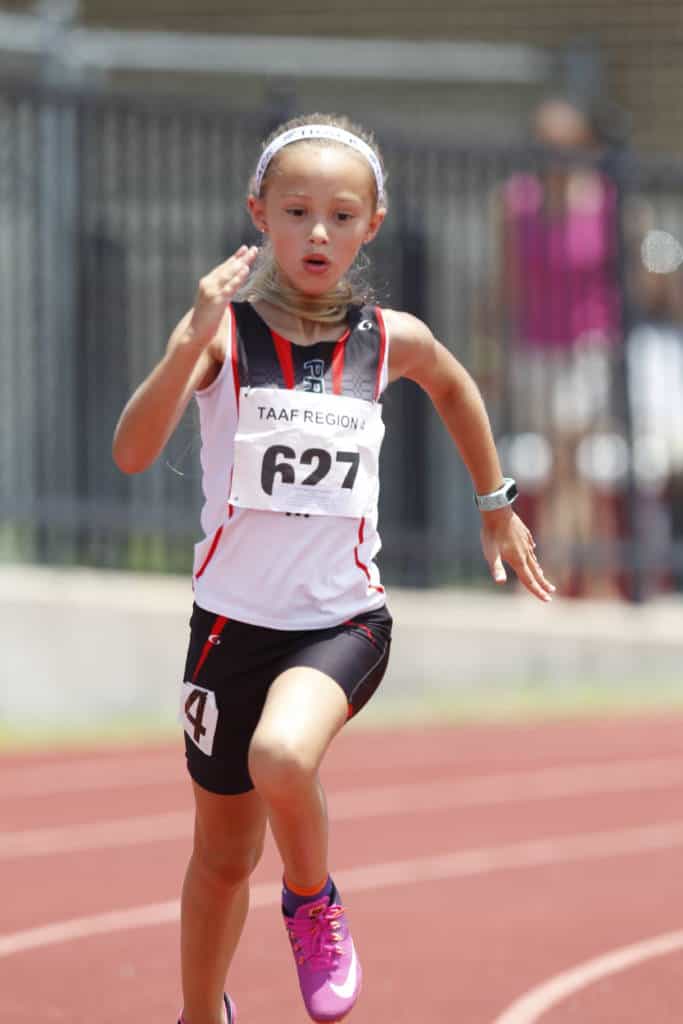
column 396, row 755
column 464, row 933
column 470, row 945
column 104, row 875
column 589, row 780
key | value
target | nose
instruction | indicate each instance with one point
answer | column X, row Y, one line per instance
column 319, row 233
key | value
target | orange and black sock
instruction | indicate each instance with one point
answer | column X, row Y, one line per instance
column 294, row 897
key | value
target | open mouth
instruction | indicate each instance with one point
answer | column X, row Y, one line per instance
column 316, row 262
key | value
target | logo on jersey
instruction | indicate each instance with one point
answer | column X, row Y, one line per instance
column 315, row 377
column 365, row 325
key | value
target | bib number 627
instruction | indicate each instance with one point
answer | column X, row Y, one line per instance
column 279, row 461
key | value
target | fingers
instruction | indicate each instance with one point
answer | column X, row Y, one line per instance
column 246, row 254
column 514, row 543
column 498, row 570
column 233, row 273
column 221, row 283
column 528, row 572
column 215, row 291
column 243, row 251
column 531, row 575
column 517, row 548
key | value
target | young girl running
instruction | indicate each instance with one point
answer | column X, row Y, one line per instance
column 290, row 632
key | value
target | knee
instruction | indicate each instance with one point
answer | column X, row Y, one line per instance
column 279, row 767
column 226, row 865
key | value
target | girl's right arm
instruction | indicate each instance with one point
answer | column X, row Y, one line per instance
column 193, row 354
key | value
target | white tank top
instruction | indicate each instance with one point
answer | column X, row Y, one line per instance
column 278, row 569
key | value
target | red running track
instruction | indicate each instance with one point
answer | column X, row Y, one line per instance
column 493, row 875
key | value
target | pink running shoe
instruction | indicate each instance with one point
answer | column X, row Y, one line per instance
column 229, row 1009
column 329, row 970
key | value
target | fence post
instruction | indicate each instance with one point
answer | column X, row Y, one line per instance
column 56, row 281
column 621, row 168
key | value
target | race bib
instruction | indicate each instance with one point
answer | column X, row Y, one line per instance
column 199, row 715
column 302, row 452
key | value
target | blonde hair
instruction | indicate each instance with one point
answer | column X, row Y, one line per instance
column 266, row 283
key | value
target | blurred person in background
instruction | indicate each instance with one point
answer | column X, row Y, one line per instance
column 558, row 296
column 654, row 351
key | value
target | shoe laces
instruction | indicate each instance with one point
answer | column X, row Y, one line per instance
column 317, row 939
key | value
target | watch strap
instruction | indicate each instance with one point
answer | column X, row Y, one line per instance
column 501, row 498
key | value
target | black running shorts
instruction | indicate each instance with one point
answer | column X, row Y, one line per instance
column 231, row 665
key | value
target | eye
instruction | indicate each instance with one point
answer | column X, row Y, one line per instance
column 296, row 211
column 344, row 216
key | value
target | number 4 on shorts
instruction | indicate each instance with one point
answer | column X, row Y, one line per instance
column 199, row 715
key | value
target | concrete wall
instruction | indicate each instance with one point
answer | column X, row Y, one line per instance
column 82, row 648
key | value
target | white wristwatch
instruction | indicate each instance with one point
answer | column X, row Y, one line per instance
column 504, row 496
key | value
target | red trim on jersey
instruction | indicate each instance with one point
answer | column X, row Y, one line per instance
column 284, row 354
column 231, row 508
column 361, row 565
column 234, row 356
column 361, row 625
column 361, row 528
column 210, row 553
column 216, row 630
column 338, row 364
column 382, row 350
column 355, row 550
column 236, row 380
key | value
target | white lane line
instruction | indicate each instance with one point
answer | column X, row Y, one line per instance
column 100, row 835
column 531, row 1006
column 84, row 927
column 357, row 804
column 463, row 864
column 487, row 790
column 137, row 770
column 81, row 775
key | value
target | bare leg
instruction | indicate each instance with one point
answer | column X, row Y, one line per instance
column 228, row 840
column 304, row 711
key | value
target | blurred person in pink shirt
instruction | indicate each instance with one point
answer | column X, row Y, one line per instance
column 559, row 293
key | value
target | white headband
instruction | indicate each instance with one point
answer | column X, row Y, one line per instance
column 320, row 131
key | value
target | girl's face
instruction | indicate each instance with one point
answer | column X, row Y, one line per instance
column 318, row 209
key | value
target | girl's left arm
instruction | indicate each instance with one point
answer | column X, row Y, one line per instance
column 416, row 354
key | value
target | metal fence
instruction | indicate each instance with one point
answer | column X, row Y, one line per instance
column 112, row 207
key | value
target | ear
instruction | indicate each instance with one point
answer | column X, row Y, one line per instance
column 375, row 224
column 257, row 211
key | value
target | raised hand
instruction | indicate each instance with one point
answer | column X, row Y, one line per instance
column 504, row 537
column 215, row 291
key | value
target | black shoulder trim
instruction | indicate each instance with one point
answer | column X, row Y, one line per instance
column 364, row 349
column 258, row 362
